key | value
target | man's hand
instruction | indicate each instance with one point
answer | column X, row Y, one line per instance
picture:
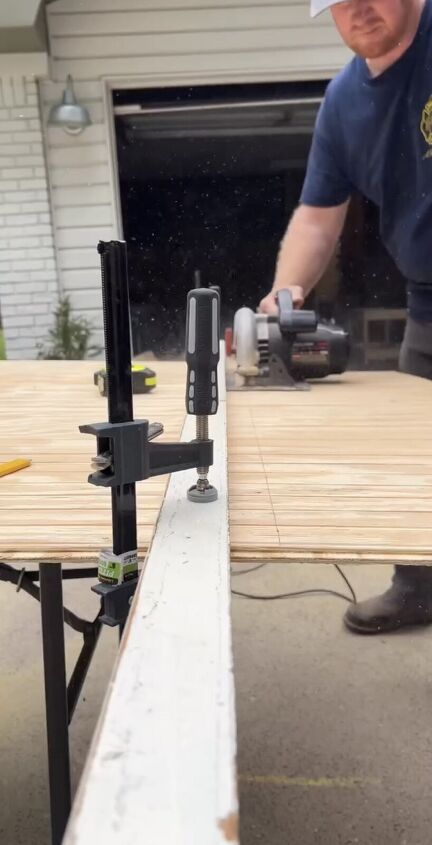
column 305, row 252
column 269, row 305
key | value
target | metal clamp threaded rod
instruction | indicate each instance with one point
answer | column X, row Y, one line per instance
column 202, row 490
column 202, row 433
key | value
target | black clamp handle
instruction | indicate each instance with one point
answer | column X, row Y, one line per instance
column 291, row 320
column 202, row 351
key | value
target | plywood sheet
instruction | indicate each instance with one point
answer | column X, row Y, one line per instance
column 49, row 511
column 342, row 472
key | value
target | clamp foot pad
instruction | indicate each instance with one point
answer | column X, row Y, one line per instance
column 209, row 494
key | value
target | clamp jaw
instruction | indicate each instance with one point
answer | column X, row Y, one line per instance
column 125, row 453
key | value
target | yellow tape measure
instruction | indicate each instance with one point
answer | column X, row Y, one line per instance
column 143, row 379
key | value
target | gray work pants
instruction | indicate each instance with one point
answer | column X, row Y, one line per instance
column 415, row 358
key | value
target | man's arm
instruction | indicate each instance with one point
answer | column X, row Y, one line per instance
column 305, row 252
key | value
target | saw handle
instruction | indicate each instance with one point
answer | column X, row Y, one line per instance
column 202, row 351
column 292, row 320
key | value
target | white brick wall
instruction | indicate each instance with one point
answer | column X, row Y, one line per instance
column 28, row 275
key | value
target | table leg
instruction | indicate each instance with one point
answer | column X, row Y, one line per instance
column 51, row 599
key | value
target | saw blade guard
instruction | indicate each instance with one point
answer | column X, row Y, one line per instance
column 245, row 342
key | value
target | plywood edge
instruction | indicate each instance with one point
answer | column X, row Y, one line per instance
column 281, row 555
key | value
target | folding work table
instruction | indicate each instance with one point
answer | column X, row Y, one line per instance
column 335, row 474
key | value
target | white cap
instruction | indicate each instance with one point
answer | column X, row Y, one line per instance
column 318, row 6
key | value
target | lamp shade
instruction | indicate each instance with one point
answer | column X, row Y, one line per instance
column 69, row 114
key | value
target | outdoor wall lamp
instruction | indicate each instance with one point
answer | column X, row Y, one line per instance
column 69, row 114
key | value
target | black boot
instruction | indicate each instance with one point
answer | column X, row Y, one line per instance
column 407, row 602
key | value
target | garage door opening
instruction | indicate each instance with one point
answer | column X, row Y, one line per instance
column 209, row 177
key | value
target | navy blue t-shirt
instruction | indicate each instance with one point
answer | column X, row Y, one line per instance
column 375, row 135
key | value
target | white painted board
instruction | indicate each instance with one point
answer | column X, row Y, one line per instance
column 161, row 769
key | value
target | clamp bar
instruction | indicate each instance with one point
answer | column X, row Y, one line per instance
column 115, row 299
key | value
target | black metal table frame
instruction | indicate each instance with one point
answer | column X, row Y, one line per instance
column 61, row 696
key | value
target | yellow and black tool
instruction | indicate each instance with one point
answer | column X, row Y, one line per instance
column 143, row 379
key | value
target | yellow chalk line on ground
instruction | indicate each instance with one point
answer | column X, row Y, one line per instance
column 322, row 782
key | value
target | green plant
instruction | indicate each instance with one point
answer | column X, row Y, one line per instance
column 2, row 346
column 69, row 339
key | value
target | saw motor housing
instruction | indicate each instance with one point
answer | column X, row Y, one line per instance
column 283, row 351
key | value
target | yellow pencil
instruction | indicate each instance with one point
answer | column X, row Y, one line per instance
column 13, row 466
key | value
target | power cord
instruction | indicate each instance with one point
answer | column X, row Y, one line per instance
column 348, row 583
column 297, row 593
column 252, row 569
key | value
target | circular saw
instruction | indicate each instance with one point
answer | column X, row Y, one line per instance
column 282, row 352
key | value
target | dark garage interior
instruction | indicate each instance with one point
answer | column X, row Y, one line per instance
column 209, row 177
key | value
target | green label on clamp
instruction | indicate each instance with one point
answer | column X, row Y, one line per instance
column 114, row 569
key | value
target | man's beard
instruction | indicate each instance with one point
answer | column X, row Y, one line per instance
column 382, row 43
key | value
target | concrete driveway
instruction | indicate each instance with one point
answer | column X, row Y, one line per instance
column 335, row 731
